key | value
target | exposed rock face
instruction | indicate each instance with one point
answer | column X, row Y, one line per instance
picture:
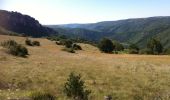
column 23, row 24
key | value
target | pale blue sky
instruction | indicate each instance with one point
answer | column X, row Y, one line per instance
column 87, row 11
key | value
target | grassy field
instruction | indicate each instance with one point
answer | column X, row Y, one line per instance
column 125, row 77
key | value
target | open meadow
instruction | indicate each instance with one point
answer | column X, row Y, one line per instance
column 123, row 76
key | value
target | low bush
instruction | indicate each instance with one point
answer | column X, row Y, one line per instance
column 18, row 50
column 7, row 44
column 133, row 51
column 76, row 47
column 145, row 51
column 14, row 48
column 28, row 42
column 75, row 89
column 42, row 96
column 36, row 43
column 32, row 43
column 68, row 44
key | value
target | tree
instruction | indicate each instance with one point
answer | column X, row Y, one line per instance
column 155, row 46
column 74, row 88
column 106, row 45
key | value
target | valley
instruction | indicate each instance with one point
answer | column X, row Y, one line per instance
column 124, row 76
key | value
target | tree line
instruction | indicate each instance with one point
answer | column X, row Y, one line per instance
column 153, row 47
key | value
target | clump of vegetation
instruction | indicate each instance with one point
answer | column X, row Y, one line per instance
column 14, row 48
column 68, row 43
column 36, row 43
column 28, row 42
column 42, row 96
column 167, row 51
column 70, row 46
column 133, row 49
column 74, row 88
column 32, row 43
column 106, row 45
column 155, row 46
column 76, row 47
column 118, row 46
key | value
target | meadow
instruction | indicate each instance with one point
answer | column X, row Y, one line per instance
column 123, row 76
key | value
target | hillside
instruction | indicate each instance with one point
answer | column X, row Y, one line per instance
column 127, row 31
column 6, row 32
column 23, row 24
column 47, row 67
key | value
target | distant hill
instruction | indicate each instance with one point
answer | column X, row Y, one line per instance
column 127, row 31
column 23, row 24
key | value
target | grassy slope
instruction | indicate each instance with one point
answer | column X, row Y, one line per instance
column 47, row 68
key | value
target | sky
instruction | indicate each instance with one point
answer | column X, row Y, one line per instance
column 86, row 11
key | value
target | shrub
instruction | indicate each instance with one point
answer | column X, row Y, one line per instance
column 145, row 51
column 76, row 47
column 133, row 49
column 7, row 44
column 18, row 50
column 32, row 43
column 74, row 88
column 106, row 45
column 14, row 48
column 28, row 42
column 68, row 43
column 41, row 96
column 167, row 51
column 36, row 43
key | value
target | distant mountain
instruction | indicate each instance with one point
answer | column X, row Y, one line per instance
column 127, row 31
column 23, row 24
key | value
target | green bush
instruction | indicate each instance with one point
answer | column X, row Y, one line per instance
column 106, row 46
column 32, row 43
column 76, row 47
column 145, row 51
column 74, row 88
column 36, row 43
column 133, row 49
column 42, row 96
column 7, row 44
column 14, row 48
column 28, row 42
column 68, row 44
column 18, row 50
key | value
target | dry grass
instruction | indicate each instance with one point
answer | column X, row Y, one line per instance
column 125, row 77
